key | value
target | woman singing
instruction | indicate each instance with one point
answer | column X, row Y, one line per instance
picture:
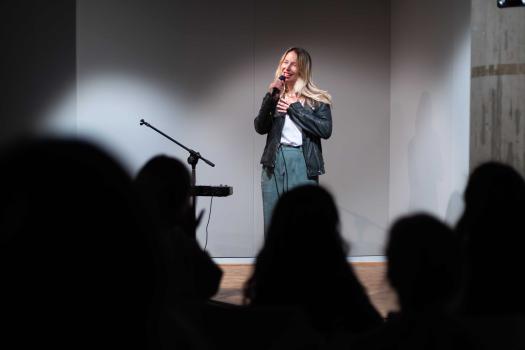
column 296, row 116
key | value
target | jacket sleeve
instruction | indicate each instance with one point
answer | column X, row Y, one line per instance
column 263, row 121
column 317, row 122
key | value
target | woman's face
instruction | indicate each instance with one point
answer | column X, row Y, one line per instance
column 289, row 67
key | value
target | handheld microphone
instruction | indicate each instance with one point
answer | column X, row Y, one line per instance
column 276, row 91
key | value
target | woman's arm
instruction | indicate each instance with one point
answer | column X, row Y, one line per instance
column 263, row 121
column 317, row 122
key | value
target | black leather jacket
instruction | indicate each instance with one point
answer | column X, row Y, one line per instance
column 315, row 124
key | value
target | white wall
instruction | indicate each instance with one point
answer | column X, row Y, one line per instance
column 429, row 114
column 398, row 72
column 199, row 70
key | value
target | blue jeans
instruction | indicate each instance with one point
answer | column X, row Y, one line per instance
column 289, row 172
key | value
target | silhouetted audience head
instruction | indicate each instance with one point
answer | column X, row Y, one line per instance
column 423, row 263
column 303, row 238
column 492, row 228
column 495, row 195
column 303, row 262
column 77, row 268
column 164, row 183
column 297, row 222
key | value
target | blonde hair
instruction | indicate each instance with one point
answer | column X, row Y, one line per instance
column 304, row 86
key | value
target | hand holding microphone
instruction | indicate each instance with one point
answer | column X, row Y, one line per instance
column 276, row 87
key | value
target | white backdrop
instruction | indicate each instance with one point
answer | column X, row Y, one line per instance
column 198, row 71
column 429, row 114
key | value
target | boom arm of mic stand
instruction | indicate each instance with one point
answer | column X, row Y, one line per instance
column 194, row 154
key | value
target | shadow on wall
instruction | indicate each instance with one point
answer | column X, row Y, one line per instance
column 455, row 208
column 367, row 238
column 425, row 164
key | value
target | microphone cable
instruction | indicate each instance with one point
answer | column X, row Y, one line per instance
column 285, row 180
column 285, row 172
column 209, row 216
column 276, row 186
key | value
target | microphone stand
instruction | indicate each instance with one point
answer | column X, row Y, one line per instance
column 192, row 160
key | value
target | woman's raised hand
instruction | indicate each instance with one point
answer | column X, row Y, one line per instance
column 285, row 102
column 276, row 84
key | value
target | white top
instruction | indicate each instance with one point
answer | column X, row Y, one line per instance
column 291, row 134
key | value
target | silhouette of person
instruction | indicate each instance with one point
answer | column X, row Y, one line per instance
column 77, row 267
column 303, row 263
column 492, row 230
column 423, row 268
column 423, row 259
column 164, row 185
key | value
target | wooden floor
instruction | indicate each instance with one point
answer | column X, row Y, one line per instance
column 371, row 275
